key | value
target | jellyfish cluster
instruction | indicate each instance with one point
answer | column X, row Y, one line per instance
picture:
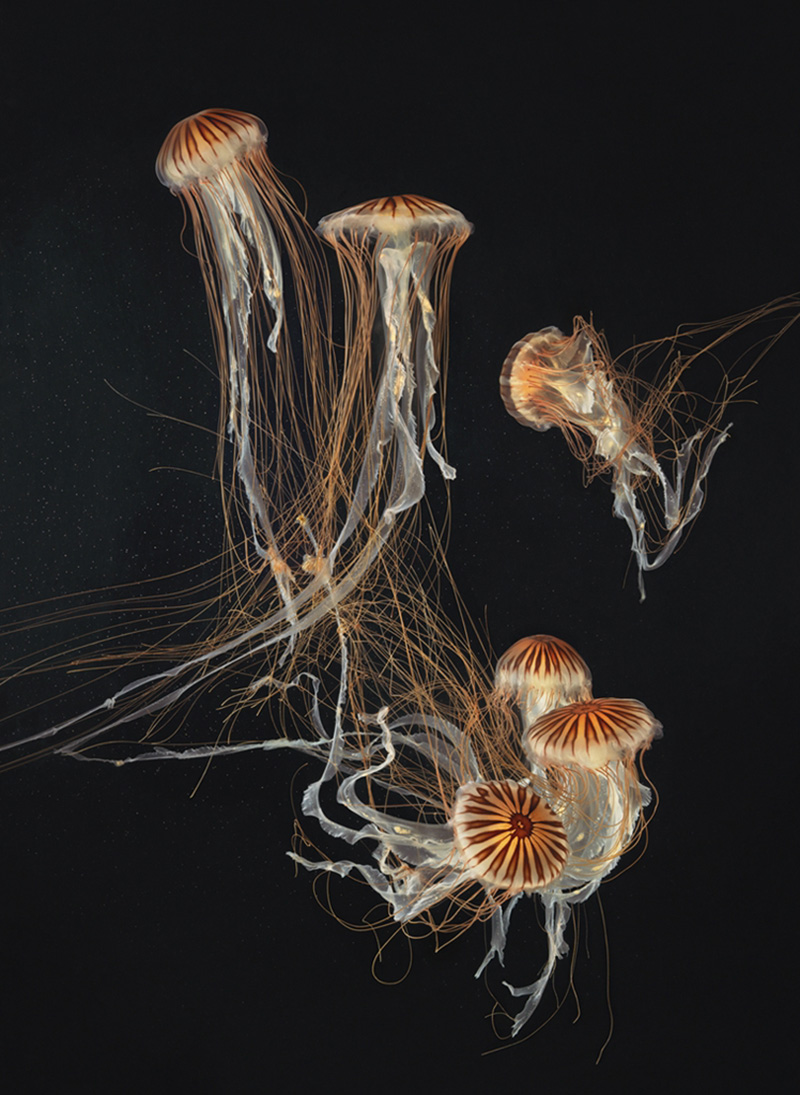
column 539, row 798
column 450, row 788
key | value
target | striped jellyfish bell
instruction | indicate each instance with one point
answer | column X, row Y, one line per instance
column 592, row 733
column 508, row 837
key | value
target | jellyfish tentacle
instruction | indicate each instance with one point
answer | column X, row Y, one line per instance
column 556, row 918
column 236, row 214
column 501, row 918
column 428, row 371
column 395, row 249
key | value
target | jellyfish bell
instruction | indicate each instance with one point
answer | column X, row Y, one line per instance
column 401, row 219
column 552, row 379
column 541, row 672
column 207, row 143
column 544, row 381
column 508, row 836
column 592, row 733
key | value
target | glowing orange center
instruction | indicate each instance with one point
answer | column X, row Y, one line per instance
column 521, row 825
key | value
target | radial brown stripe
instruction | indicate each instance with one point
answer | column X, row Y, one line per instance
column 591, row 733
column 508, row 836
column 400, row 205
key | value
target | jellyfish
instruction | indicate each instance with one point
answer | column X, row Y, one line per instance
column 653, row 440
column 244, row 223
column 394, row 254
column 589, row 751
column 541, row 673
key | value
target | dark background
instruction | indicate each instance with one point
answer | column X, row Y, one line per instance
column 633, row 163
